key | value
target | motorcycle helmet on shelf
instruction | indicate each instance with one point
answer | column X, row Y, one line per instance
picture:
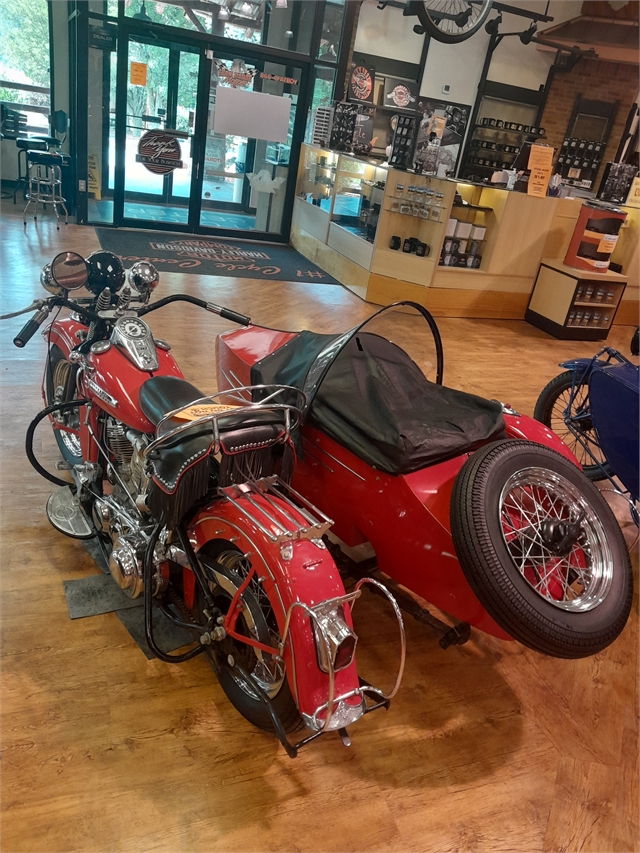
column 104, row 270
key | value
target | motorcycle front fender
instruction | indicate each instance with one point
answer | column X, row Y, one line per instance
column 307, row 577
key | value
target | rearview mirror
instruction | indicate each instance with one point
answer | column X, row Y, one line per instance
column 69, row 270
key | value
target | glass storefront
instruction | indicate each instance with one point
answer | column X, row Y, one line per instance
column 161, row 152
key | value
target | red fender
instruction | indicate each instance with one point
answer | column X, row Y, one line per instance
column 309, row 577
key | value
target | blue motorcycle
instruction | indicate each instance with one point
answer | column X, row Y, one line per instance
column 594, row 407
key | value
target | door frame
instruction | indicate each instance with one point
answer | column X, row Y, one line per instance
column 204, row 45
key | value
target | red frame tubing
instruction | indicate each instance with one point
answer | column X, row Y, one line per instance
column 309, row 577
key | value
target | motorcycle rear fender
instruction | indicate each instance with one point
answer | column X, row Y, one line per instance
column 310, row 577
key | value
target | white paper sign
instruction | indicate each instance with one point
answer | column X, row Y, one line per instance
column 255, row 115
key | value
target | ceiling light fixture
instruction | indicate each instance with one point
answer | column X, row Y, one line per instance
column 223, row 14
column 281, row 4
column 142, row 15
column 246, row 8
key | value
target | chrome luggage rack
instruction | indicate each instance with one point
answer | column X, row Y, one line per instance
column 276, row 522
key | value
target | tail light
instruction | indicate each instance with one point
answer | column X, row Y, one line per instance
column 335, row 640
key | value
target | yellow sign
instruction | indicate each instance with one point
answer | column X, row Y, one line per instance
column 540, row 165
column 93, row 175
column 138, row 74
column 203, row 410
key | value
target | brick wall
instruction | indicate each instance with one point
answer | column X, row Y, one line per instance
column 595, row 80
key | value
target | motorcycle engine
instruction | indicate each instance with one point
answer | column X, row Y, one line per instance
column 114, row 514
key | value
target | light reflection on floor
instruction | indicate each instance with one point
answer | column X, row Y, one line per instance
column 101, row 213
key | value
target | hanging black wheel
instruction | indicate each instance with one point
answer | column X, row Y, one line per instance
column 541, row 549
column 59, row 386
column 563, row 406
column 451, row 21
column 226, row 569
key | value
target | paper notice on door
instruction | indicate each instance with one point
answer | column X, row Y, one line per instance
column 607, row 243
column 138, row 74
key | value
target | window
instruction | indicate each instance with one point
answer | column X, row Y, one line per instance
column 24, row 66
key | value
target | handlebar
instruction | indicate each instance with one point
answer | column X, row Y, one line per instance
column 32, row 326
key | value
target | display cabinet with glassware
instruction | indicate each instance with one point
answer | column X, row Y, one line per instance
column 314, row 190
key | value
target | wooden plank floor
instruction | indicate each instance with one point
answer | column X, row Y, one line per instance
column 487, row 747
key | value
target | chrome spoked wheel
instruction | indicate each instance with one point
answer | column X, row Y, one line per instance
column 56, row 385
column 541, row 549
column 555, row 539
column 451, row 21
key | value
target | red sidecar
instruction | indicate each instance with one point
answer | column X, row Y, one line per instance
column 482, row 512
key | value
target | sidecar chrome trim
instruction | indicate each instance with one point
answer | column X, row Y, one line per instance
column 335, row 459
column 403, row 636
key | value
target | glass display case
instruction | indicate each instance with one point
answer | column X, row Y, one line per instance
column 317, row 177
column 359, row 191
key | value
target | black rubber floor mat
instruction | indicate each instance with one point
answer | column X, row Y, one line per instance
column 94, row 549
column 167, row 636
column 94, row 595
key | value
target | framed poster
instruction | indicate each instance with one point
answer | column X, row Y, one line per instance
column 440, row 135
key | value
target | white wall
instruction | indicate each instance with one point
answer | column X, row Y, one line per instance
column 387, row 33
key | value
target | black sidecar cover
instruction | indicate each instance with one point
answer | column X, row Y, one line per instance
column 375, row 401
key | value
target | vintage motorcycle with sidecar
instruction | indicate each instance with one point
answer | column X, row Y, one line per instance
column 190, row 497
column 474, row 508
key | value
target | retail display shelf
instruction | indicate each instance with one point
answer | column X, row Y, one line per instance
column 464, row 206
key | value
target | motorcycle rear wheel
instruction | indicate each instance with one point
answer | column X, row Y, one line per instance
column 541, row 549
column 226, row 569
column 56, row 375
column 550, row 410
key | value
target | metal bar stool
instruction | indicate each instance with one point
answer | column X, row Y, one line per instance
column 23, row 145
column 44, row 183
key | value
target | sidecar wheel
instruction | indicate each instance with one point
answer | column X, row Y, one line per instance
column 56, row 373
column 226, row 569
column 541, row 549
column 550, row 410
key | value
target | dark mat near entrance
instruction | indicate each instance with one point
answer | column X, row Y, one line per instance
column 190, row 253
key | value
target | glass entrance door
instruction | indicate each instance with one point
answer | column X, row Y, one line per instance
column 156, row 153
column 248, row 145
column 205, row 140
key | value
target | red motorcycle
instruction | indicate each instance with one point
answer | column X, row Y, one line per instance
column 480, row 511
column 190, row 497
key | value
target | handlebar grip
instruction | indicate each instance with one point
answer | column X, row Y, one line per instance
column 27, row 332
column 240, row 319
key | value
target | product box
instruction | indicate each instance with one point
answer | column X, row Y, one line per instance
column 450, row 230
column 478, row 232
column 463, row 229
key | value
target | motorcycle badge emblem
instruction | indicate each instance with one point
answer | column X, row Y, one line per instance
column 361, row 83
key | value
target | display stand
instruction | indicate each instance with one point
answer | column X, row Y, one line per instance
column 573, row 304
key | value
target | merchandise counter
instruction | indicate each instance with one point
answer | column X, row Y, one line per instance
column 460, row 249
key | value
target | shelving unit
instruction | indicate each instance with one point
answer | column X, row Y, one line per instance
column 574, row 304
column 465, row 251
column 499, row 136
column 314, row 191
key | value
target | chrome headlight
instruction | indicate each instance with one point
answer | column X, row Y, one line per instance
column 48, row 282
column 144, row 277
column 335, row 641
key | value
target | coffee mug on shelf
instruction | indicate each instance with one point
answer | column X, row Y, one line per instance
column 395, row 242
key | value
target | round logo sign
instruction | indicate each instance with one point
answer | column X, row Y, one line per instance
column 361, row 83
column 401, row 96
column 158, row 152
